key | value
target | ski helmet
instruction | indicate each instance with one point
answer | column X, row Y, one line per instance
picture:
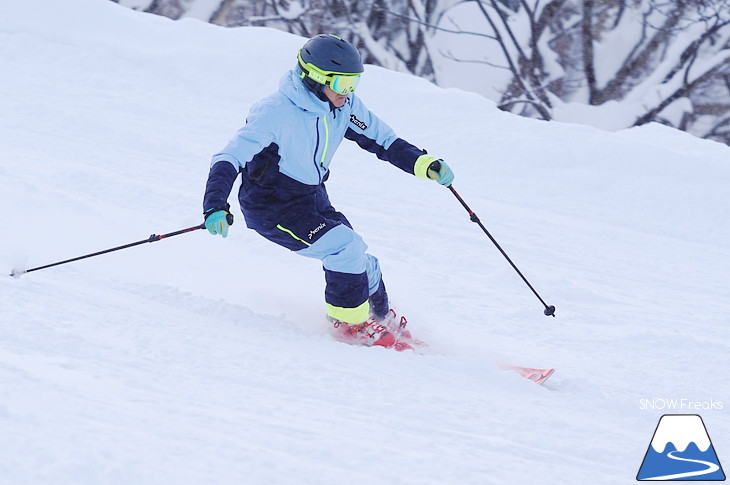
column 327, row 60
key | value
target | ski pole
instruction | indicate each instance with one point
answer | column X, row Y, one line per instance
column 152, row 238
column 549, row 309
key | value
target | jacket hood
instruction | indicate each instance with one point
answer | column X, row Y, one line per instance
column 293, row 88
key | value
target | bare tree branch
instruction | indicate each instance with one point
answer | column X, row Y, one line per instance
column 683, row 91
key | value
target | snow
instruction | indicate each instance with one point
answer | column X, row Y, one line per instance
column 202, row 360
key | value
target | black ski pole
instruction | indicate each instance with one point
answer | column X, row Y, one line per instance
column 549, row 309
column 152, row 238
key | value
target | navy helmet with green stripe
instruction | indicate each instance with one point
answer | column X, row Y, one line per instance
column 328, row 60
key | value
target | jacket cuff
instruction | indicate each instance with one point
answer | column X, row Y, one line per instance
column 420, row 168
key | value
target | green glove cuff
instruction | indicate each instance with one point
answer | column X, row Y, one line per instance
column 420, row 168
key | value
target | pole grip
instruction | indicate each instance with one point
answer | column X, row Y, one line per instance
column 435, row 166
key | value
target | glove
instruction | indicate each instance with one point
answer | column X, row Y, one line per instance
column 217, row 221
column 428, row 167
column 440, row 172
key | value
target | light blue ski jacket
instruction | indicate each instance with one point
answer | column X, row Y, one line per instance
column 285, row 148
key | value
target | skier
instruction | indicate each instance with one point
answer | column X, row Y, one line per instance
column 283, row 153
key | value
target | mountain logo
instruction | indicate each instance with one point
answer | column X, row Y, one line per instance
column 681, row 450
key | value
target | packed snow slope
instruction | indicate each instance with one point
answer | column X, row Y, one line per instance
column 199, row 359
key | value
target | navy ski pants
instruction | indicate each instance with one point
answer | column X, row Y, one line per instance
column 353, row 278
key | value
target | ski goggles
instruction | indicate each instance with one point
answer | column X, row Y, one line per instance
column 344, row 84
column 340, row 82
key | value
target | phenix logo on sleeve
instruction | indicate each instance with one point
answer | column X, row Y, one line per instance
column 358, row 123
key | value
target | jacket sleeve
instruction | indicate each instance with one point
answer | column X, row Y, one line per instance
column 375, row 136
column 220, row 182
column 251, row 139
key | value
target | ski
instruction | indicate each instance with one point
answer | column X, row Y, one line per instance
column 538, row 376
column 393, row 334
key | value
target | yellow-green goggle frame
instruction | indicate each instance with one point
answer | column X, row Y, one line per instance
column 340, row 82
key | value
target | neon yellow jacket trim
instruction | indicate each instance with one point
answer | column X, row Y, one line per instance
column 326, row 140
column 420, row 169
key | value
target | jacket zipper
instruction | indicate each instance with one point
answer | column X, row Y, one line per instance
column 316, row 147
column 326, row 146
column 326, row 141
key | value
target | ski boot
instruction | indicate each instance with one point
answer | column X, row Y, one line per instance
column 388, row 332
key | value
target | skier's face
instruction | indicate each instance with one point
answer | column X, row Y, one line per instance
column 338, row 100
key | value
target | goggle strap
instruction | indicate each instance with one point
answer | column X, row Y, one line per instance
column 319, row 77
column 316, row 76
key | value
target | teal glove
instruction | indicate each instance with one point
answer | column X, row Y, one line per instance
column 430, row 168
column 217, row 221
column 440, row 172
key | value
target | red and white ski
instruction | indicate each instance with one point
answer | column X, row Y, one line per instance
column 393, row 334
column 538, row 376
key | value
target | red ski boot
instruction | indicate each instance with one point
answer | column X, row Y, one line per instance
column 388, row 333
column 368, row 333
